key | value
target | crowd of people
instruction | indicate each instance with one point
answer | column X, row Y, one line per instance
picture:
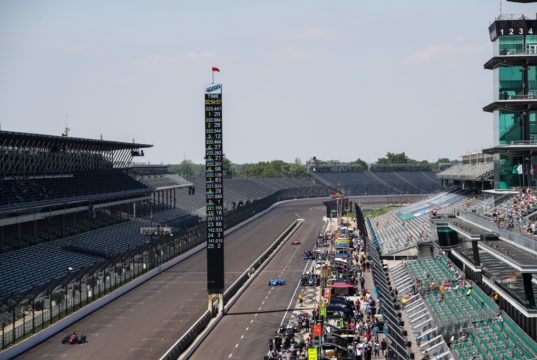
column 513, row 213
column 354, row 315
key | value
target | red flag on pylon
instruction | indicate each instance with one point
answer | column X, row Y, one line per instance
column 216, row 69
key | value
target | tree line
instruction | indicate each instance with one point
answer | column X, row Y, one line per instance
column 297, row 169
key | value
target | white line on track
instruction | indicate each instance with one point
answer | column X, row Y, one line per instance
column 140, row 349
column 294, row 293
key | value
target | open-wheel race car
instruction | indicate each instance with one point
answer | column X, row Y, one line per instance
column 74, row 339
column 295, row 242
column 276, row 282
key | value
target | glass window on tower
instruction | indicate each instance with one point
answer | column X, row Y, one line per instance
column 511, row 82
column 533, row 126
column 508, row 174
column 510, row 127
column 532, row 81
column 531, row 44
column 510, row 45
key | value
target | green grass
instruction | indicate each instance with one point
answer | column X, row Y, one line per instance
column 377, row 212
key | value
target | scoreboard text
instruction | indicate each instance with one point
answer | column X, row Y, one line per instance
column 214, row 188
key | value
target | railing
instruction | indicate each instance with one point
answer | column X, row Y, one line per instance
column 529, row 50
column 517, row 238
column 530, row 96
column 511, row 17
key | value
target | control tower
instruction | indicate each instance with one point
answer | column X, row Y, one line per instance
column 514, row 106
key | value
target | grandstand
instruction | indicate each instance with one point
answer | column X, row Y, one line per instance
column 77, row 219
column 240, row 192
column 379, row 183
column 464, row 314
column 475, row 172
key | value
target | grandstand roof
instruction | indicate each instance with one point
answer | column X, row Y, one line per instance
column 512, row 105
column 511, row 60
column 521, row 260
column 512, row 149
column 466, row 229
column 74, row 143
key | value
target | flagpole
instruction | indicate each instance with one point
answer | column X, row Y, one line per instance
column 212, row 74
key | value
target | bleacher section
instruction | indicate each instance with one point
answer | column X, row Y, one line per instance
column 178, row 219
column 237, row 192
column 17, row 236
column 464, row 314
column 395, row 235
column 70, row 252
column 380, row 183
column 473, row 172
column 162, row 181
column 79, row 185
column 41, row 263
column 489, row 339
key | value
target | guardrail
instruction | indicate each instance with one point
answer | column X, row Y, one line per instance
column 517, row 238
column 201, row 324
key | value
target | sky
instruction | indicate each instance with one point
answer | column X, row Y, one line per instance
column 338, row 79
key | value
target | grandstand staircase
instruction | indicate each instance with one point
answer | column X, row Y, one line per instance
column 410, row 183
column 428, row 177
column 324, row 182
column 384, row 182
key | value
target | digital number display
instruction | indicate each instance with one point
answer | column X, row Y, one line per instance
column 214, row 188
column 512, row 28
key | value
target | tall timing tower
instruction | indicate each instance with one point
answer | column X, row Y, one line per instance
column 514, row 108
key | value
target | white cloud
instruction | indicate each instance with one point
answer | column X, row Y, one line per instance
column 436, row 51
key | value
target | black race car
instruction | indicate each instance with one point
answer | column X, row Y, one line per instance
column 74, row 339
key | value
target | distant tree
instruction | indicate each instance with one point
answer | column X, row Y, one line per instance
column 297, row 169
column 395, row 158
column 226, row 167
column 362, row 163
column 188, row 169
column 443, row 160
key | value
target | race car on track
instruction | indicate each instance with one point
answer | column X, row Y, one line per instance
column 74, row 339
column 295, row 242
column 308, row 254
column 276, row 282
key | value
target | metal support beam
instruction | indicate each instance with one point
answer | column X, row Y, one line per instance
column 528, row 289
